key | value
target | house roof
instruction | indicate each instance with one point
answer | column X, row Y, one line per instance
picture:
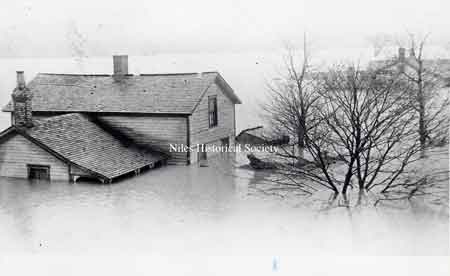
column 439, row 67
column 156, row 93
column 76, row 139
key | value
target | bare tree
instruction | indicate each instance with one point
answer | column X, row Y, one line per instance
column 368, row 124
column 364, row 134
column 429, row 98
column 359, row 127
column 291, row 99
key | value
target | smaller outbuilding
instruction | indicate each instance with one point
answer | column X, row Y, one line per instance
column 252, row 136
column 67, row 147
column 257, row 136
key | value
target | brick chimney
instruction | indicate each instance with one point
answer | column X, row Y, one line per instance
column 120, row 66
column 22, row 99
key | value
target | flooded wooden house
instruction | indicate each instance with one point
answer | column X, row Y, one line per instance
column 105, row 126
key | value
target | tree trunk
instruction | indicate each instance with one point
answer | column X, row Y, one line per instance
column 301, row 141
column 348, row 176
column 422, row 123
column 422, row 131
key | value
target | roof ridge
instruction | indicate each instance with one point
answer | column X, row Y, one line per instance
column 143, row 74
column 84, row 75
column 180, row 74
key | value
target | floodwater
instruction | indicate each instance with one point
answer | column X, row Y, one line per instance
column 203, row 211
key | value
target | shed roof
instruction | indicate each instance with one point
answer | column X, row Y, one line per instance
column 155, row 93
column 78, row 140
column 254, row 131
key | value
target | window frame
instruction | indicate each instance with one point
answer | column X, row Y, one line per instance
column 30, row 167
column 213, row 114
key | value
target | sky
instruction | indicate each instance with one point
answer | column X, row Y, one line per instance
column 49, row 28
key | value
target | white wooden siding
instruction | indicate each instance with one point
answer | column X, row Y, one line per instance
column 200, row 131
column 17, row 151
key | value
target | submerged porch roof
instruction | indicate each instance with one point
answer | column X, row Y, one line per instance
column 76, row 139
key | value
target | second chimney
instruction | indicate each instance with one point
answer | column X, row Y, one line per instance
column 120, row 66
column 20, row 80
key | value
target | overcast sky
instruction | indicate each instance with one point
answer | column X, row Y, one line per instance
column 140, row 27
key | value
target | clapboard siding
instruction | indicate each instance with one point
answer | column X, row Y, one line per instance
column 199, row 122
column 156, row 132
column 17, row 151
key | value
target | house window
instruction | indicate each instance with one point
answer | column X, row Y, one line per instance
column 38, row 172
column 212, row 111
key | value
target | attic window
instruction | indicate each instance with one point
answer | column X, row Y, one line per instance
column 212, row 111
column 41, row 172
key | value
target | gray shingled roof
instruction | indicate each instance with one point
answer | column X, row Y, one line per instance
column 159, row 93
column 84, row 143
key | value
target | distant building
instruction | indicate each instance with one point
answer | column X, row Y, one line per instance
column 105, row 126
column 434, row 73
column 404, row 63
